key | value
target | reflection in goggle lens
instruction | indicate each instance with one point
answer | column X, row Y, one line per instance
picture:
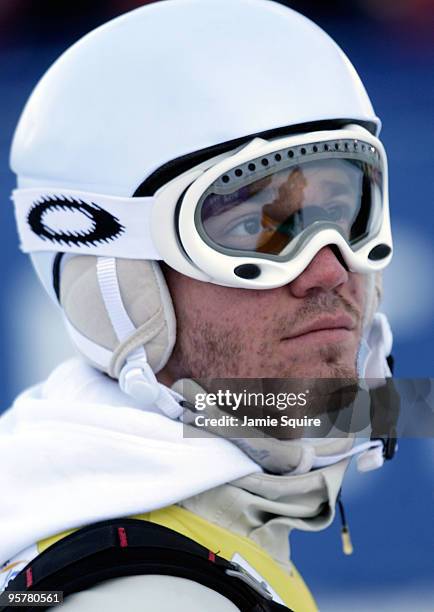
column 267, row 214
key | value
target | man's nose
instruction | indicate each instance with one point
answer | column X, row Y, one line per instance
column 324, row 273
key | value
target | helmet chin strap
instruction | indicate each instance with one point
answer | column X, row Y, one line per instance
column 136, row 378
column 139, row 382
column 369, row 457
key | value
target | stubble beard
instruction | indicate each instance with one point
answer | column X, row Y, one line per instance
column 220, row 349
column 206, row 351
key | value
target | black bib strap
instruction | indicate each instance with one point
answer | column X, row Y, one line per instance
column 131, row 547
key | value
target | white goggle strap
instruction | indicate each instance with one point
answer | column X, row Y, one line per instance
column 136, row 378
column 84, row 223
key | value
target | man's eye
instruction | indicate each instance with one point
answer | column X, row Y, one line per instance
column 248, row 227
column 338, row 212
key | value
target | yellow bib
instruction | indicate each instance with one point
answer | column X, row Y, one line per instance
column 289, row 588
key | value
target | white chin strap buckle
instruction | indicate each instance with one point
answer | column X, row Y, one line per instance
column 137, row 380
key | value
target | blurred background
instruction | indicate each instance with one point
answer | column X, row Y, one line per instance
column 391, row 44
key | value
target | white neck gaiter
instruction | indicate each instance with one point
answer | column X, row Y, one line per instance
column 267, row 507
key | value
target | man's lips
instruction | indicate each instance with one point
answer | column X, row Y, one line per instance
column 329, row 323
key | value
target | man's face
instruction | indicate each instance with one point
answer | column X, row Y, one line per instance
column 310, row 328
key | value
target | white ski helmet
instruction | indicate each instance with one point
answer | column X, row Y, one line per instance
column 167, row 100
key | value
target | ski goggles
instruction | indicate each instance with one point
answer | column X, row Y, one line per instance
column 255, row 217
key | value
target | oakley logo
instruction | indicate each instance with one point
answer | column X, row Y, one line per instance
column 70, row 221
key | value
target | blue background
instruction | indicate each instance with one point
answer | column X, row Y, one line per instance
column 390, row 511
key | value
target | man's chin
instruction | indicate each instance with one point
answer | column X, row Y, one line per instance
column 324, row 370
column 328, row 361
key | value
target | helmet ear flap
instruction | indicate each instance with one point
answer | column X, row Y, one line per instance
column 144, row 300
column 148, row 299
